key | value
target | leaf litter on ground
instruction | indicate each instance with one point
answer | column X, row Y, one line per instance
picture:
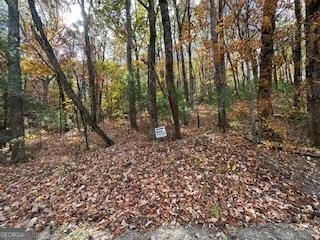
column 206, row 179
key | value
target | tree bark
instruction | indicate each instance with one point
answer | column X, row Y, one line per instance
column 265, row 82
column 15, row 99
column 138, row 77
column 191, row 74
column 90, row 65
column 130, row 75
column 220, row 69
column 152, row 78
column 169, row 66
column 313, row 68
column 61, row 77
column 297, row 55
column 181, row 53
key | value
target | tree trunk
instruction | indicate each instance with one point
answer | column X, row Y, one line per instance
column 138, row 77
column 152, row 79
column 177, row 52
column 266, row 56
column 181, row 53
column 255, row 70
column 130, row 75
column 62, row 111
column 15, row 100
column 191, row 75
column 220, row 70
column 275, row 75
column 297, row 55
column 61, row 77
column 90, row 65
column 234, row 73
column 169, row 66
column 313, row 68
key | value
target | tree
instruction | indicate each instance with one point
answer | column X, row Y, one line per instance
column 265, row 82
column 90, row 65
column 15, row 98
column 313, row 68
column 61, row 77
column 219, row 63
column 152, row 81
column 169, row 66
column 297, row 53
column 130, row 76
column 3, row 65
column 180, row 18
column 191, row 75
column 152, row 78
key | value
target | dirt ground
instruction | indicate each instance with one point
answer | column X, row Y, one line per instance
column 269, row 232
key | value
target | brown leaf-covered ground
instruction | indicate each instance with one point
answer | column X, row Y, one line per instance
column 207, row 178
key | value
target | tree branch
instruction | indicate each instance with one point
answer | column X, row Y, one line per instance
column 144, row 5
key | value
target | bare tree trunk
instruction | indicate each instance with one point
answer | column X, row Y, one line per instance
column 286, row 66
column 220, row 70
column 265, row 82
column 90, row 65
column 152, row 78
column 234, row 73
column 15, row 100
column 130, row 75
column 255, row 70
column 297, row 55
column 275, row 75
column 313, row 68
column 169, row 66
column 61, row 77
column 179, row 21
column 84, row 124
column 152, row 75
column 178, row 73
column 62, row 111
column 138, row 76
column 191, row 74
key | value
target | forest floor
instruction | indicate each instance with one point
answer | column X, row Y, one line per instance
column 208, row 185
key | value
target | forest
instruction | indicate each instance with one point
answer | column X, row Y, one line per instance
column 232, row 87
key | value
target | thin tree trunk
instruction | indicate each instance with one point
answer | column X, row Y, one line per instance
column 178, row 84
column 234, row 73
column 313, row 68
column 297, row 59
column 275, row 75
column 152, row 75
column 169, row 67
column 287, row 66
column 62, row 111
column 184, row 75
column 138, row 77
column 15, row 100
column 250, row 85
column 181, row 52
column 5, row 109
column 84, row 124
column 191, row 74
column 90, row 65
column 61, row 77
column 130, row 75
column 255, row 70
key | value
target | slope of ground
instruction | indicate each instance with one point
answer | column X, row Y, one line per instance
column 207, row 179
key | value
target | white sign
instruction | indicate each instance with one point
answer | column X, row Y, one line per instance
column 160, row 132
